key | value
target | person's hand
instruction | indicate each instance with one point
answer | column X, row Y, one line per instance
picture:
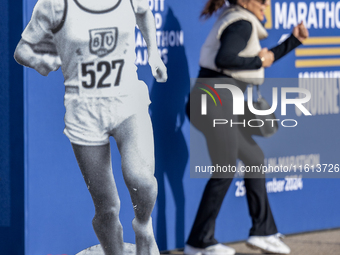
column 47, row 63
column 267, row 57
column 158, row 69
column 300, row 32
column 43, row 63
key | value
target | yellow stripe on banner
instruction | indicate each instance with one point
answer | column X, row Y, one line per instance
column 268, row 14
column 317, row 62
column 317, row 52
column 322, row 40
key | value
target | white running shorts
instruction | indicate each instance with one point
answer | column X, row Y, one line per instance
column 90, row 120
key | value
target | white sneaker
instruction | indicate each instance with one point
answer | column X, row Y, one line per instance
column 216, row 249
column 271, row 244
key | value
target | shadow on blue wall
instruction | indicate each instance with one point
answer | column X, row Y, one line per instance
column 11, row 133
column 171, row 151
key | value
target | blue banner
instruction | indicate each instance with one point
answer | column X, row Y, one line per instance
column 58, row 206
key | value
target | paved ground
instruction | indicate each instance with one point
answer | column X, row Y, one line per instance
column 314, row 243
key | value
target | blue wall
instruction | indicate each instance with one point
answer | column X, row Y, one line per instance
column 58, row 207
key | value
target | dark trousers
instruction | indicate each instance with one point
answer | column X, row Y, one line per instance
column 227, row 144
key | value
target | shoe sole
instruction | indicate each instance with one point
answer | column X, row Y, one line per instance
column 254, row 247
column 209, row 253
column 218, row 253
column 193, row 253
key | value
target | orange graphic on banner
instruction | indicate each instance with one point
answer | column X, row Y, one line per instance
column 308, row 52
column 322, row 40
column 317, row 62
column 319, row 51
column 268, row 14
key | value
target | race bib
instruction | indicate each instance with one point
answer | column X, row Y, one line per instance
column 100, row 78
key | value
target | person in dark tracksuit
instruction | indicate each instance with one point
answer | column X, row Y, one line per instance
column 232, row 50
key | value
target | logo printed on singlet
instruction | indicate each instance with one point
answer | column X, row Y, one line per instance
column 103, row 40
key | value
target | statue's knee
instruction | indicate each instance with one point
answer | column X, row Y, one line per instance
column 146, row 184
column 150, row 186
